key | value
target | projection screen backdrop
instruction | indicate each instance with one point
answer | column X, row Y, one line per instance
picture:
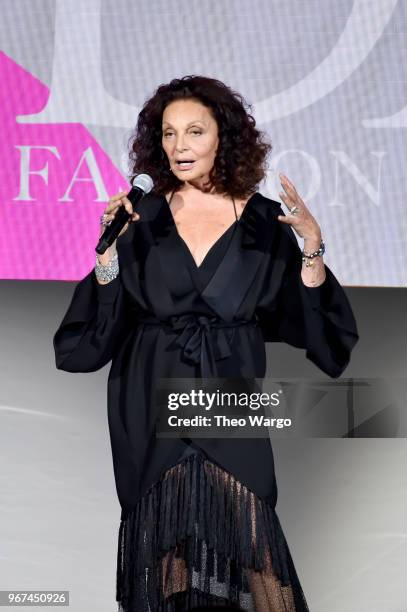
column 325, row 80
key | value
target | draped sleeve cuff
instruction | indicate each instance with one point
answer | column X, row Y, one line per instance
column 320, row 296
column 329, row 300
column 93, row 326
column 106, row 294
column 319, row 319
column 330, row 326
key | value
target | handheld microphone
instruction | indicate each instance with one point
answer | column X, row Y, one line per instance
column 142, row 184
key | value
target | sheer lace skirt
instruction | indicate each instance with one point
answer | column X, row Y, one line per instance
column 200, row 537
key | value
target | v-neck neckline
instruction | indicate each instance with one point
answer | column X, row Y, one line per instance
column 217, row 241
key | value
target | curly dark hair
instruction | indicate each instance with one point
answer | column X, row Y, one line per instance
column 240, row 162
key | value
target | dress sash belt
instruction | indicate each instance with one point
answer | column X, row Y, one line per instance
column 204, row 339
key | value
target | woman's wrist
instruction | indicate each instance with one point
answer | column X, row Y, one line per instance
column 107, row 266
column 313, row 271
column 107, row 255
column 313, row 276
column 312, row 243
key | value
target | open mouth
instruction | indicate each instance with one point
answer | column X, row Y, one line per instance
column 184, row 165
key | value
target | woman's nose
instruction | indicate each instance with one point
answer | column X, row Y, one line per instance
column 179, row 145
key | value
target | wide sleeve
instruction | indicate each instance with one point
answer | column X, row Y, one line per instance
column 317, row 319
column 93, row 326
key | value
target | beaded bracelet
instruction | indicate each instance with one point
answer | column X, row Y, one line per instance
column 318, row 253
column 108, row 272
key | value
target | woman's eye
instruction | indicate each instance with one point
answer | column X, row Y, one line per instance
column 193, row 132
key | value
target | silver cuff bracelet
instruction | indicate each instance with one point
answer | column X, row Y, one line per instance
column 108, row 272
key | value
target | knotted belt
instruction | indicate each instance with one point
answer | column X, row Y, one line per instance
column 203, row 338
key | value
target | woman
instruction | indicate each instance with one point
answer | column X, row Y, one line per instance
column 204, row 273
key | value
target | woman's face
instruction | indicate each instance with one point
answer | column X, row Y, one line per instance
column 190, row 133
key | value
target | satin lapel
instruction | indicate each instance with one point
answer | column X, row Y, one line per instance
column 237, row 270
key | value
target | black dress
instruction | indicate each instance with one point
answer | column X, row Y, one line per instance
column 198, row 522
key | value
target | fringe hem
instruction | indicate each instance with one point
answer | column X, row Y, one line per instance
column 192, row 600
column 199, row 515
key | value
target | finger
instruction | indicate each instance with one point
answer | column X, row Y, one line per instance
column 285, row 219
column 290, row 204
column 292, row 195
column 291, row 192
column 107, row 219
column 128, row 205
column 286, row 199
column 118, row 196
column 116, row 199
column 286, row 183
column 113, row 206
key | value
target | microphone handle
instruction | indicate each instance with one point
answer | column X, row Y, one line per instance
column 121, row 218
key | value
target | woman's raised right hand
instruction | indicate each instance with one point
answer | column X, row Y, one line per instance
column 110, row 211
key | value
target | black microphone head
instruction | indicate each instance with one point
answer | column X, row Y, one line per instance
column 143, row 182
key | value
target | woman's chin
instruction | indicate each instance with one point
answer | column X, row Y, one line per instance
column 192, row 177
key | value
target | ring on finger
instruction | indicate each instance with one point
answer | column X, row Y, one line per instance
column 294, row 210
column 103, row 219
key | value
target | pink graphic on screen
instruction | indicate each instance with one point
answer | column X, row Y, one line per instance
column 42, row 237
